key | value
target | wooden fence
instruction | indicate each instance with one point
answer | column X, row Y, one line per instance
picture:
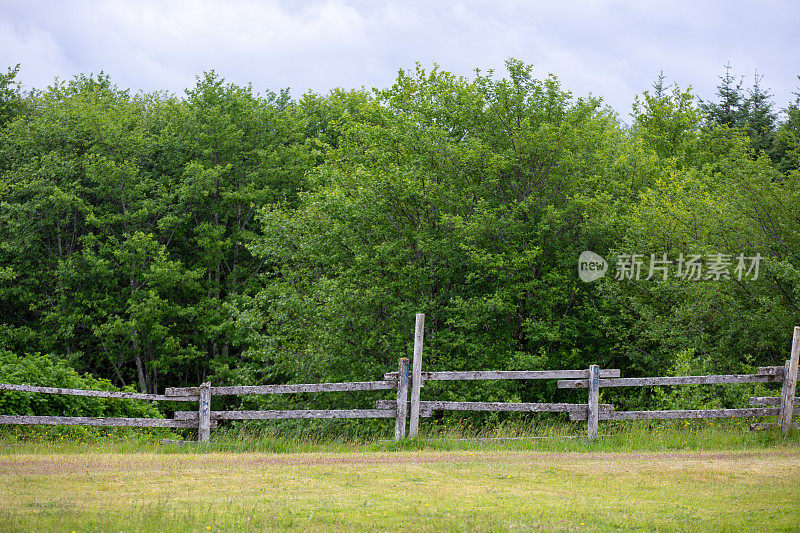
column 93, row 421
column 408, row 412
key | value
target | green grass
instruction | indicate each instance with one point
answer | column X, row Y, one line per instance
column 516, row 436
column 663, row 476
column 417, row 491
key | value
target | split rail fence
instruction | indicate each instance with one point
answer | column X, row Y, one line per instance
column 411, row 379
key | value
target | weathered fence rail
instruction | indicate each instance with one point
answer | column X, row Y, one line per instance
column 93, row 421
column 595, row 378
column 674, row 380
column 507, row 374
column 402, row 409
column 693, row 413
column 503, row 407
column 769, row 400
column 289, row 414
column 283, row 389
column 98, row 393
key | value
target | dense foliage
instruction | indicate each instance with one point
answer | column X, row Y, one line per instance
column 153, row 240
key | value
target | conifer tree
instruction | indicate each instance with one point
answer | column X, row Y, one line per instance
column 760, row 119
column 728, row 111
column 658, row 85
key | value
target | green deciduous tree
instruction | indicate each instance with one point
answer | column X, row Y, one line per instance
column 786, row 152
column 448, row 196
column 154, row 239
column 126, row 220
column 10, row 98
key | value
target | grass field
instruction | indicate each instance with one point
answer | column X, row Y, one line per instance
column 749, row 482
column 651, row 478
column 418, row 491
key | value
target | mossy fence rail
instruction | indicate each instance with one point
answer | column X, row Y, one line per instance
column 407, row 412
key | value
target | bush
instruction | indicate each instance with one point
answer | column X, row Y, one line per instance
column 50, row 371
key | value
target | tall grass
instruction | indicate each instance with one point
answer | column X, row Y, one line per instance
column 454, row 435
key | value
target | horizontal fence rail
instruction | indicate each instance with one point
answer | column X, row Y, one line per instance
column 412, row 378
column 468, row 375
column 773, row 371
column 769, row 400
column 204, row 419
column 285, row 389
column 503, row 407
column 290, row 414
column 673, row 380
column 98, row 393
column 95, row 421
column 693, row 413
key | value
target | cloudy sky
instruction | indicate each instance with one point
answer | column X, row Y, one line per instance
column 612, row 49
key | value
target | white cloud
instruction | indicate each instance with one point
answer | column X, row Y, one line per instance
column 612, row 49
column 18, row 43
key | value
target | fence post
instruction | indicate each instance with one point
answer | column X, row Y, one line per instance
column 416, row 375
column 402, row 399
column 789, row 384
column 593, row 414
column 204, row 414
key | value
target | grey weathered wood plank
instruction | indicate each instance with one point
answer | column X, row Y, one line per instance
column 92, row 421
column 790, row 384
column 671, row 380
column 288, row 414
column 766, row 400
column 204, row 413
column 416, row 375
column 288, row 388
column 583, row 414
column 94, row 393
column 771, row 400
column 434, row 405
column 695, row 413
column 468, row 375
column 391, row 405
column 773, row 371
column 401, row 408
column 594, row 400
column 181, row 391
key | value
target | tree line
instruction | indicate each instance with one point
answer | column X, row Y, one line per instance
column 152, row 240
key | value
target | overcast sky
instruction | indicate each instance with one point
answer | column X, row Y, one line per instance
column 611, row 49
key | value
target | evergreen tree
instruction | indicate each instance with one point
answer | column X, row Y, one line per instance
column 660, row 90
column 760, row 119
column 729, row 111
